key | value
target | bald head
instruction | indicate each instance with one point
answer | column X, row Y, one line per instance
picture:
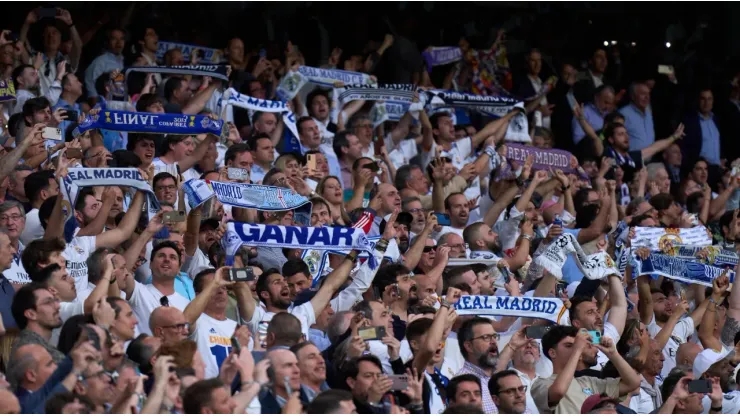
column 30, row 367
column 425, row 286
column 549, row 214
column 164, row 322
column 9, row 403
column 686, row 353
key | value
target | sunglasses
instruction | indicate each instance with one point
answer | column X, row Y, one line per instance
column 427, row 249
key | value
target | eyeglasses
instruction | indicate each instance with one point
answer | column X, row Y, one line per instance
column 427, row 249
column 179, row 327
column 415, row 210
column 364, row 126
column 49, row 301
column 95, row 375
column 167, row 188
column 14, row 218
column 513, row 390
column 488, row 337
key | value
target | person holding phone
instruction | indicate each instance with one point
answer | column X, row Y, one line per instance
column 71, row 92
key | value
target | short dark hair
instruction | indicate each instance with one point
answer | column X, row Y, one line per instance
column 300, row 122
column 124, row 159
column 456, row 381
column 661, row 201
column 96, row 264
column 318, row 92
column 493, row 386
column 295, row 266
column 162, row 176
column 43, row 275
column 287, row 329
column 55, row 404
column 17, row 73
column 417, row 328
column 172, row 85
column 200, row 394
column 465, row 333
column 252, row 142
column 261, row 284
column 447, row 200
column 134, row 138
column 141, row 353
column 235, row 150
column 39, row 251
column 37, row 182
column 610, row 129
column 301, row 345
column 555, row 335
column 403, row 174
column 463, row 409
column 146, row 100
column 24, row 299
column 434, row 119
column 200, row 279
column 327, row 402
column 669, row 383
column 341, row 139
column 574, row 302
column 388, row 275
column 34, row 105
column 163, row 245
column 81, row 196
column 353, row 367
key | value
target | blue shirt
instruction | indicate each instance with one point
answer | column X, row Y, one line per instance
column 66, row 106
column 104, row 63
column 639, row 126
column 709, row 139
column 183, row 285
column 593, row 116
column 571, row 272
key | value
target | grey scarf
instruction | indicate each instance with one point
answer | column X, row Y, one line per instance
column 653, row 392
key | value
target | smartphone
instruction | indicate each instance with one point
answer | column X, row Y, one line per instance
column 378, row 144
column 311, row 163
column 395, row 291
column 665, row 69
column 537, row 331
column 72, row 115
column 262, row 333
column 507, row 274
column 442, row 219
column 236, row 346
column 560, row 288
column 263, row 53
column 238, row 174
column 74, row 153
column 93, row 337
column 286, row 381
column 400, row 382
column 52, row 133
column 372, row 333
column 373, row 167
column 241, row 275
column 174, row 216
column 45, row 12
column 595, row 336
column 700, row 386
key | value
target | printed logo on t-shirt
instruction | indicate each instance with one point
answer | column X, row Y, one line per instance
column 588, row 392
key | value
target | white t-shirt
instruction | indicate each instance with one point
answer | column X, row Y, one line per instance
column 17, row 273
column 214, row 336
column 611, row 332
column 380, row 350
column 76, row 253
column 458, row 153
column 196, row 264
column 33, row 229
column 403, row 153
column 681, row 332
column 730, row 403
column 145, row 299
column 66, row 311
column 304, row 313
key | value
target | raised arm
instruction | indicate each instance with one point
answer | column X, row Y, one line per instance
column 645, row 304
column 732, row 322
column 125, row 229
column 588, row 130
column 190, row 240
column 501, row 203
column 10, row 161
column 199, row 100
column 491, row 128
column 200, row 151
column 597, row 226
column 629, row 380
column 413, row 255
column 564, row 379
column 661, row 145
column 618, row 311
column 436, row 331
column 426, row 131
column 706, row 329
column 197, row 306
column 97, row 225
column 539, row 177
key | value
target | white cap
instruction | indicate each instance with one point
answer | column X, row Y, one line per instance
column 706, row 359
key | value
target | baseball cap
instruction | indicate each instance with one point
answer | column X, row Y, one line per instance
column 706, row 359
column 595, row 401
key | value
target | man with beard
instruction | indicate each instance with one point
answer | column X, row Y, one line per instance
column 479, row 347
column 36, row 310
column 482, row 241
column 198, row 245
column 413, row 206
column 584, row 313
column 483, row 276
column 464, row 274
column 508, row 393
column 397, row 290
column 403, row 229
column 571, row 349
column 649, row 398
column 456, row 206
column 207, row 312
column 272, row 289
column 631, row 161
column 313, row 369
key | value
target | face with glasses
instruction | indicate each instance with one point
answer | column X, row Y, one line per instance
column 528, row 354
column 96, row 385
column 419, row 217
column 46, row 310
column 166, row 190
column 482, row 348
column 363, row 129
column 171, row 325
column 14, row 222
column 428, row 255
column 511, row 397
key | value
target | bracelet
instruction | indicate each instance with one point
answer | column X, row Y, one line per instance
column 444, row 304
column 528, row 238
column 564, row 188
column 112, row 280
column 716, row 409
column 490, row 151
column 352, row 256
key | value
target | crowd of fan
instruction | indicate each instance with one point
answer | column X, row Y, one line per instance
column 133, row 315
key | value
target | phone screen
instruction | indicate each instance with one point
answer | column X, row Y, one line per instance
column 442, row 219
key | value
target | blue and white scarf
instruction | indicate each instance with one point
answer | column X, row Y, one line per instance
column 441, row 55
column 232, row 97
column 294, row 81
column 86, row 177
column 594, row 267
column 397, row 93
column 158, row 123
column 490, row 105
column 680, row 269
column 214, row 71
column 209, row 55
column 551, row 309
column 244, row 195
column 306, row 238
column 318, row 260
column 656, row 238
